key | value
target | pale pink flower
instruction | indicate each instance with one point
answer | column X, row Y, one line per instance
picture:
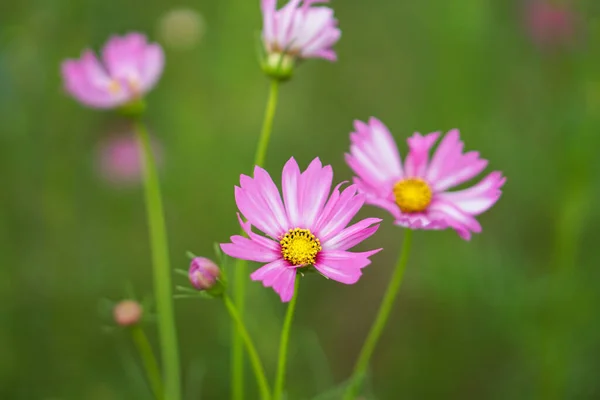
column 299, row 29
column 550, row 23
column 119, row 160
column 416, row 192
column 307, row 228
column 130, row 67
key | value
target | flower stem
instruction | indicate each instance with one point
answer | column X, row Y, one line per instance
column 283, row 344
column 265, row 134
column 259, row 371
column 237, row 354
column 149, row 361
column 162, row 270
column 380, row 321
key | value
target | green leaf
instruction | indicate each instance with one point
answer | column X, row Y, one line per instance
column 181, row 272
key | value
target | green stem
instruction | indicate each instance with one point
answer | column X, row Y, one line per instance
column 162, row 270
column 148, row 360
column 237, row 350
column 265, row 134
column 259, row 371
column 382, row 316
column 283, row 344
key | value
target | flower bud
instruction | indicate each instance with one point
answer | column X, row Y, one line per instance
column 128, row 312
column 203, row 273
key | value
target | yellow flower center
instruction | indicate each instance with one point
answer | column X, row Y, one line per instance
column 412, row 195
column 300, row 247
column 114, row 86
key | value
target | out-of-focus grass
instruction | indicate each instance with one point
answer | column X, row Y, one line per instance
column 508, row 315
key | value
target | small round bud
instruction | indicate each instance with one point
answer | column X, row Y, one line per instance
column 203, row 273
column 128, row 312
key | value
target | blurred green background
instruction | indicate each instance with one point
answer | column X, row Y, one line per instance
column 513, row 314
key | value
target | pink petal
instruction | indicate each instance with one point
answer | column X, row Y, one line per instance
column 419, row 146
column 352, row 235
column 314, row 190
column 461, row 222
column 327, row 210
column 152, row 66
column 478, row 198
column 285, row 21
column 465, row 168
column 124, row 55
column 340, row 215
column 251, row 250
column 261, row 240
column 86, row 84
column 266, row 188
column 290, row 180
column 254, row 209
column 374, row 155
column 278, row 275
column 343, row 266
column 268, row 11
column 385, row 204
column 421, row 221
column 449, row 150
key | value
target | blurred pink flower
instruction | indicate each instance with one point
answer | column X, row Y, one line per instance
column 119, row 159
column 415, row 192
column 128, row 312
column 550, row 23
column 310, row 229
column 299, row 29
column 130, row 67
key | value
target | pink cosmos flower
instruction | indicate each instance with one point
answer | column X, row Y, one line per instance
column 416, row 192
column 130, row 67
column 300, row 29
column 307, row 228
column 550, row 23
column 119, row 159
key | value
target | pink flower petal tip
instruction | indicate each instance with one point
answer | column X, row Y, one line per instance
column 305, row 227
column 415, row 191
column 128, row 69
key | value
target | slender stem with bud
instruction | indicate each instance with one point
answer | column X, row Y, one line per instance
column 148, row 360
column 380, row 321
column 283, row 344
column 162, row 271
column 259, row 371
column 240, row 274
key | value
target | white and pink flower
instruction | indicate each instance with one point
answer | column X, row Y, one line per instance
column 416, row 192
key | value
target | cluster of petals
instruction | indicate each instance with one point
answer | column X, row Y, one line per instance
column 128, row 68
column 307, row 204
column 300, row 29
column 375, row 159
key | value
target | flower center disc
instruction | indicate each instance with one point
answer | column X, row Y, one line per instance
column 300, row 247
column 412, row 195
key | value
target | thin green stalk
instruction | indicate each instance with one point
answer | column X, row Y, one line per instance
column 148, row 360
column 240, row 273
column 259, row 371
column 162, row 271
column 283, row 344
column 380, row 321
column 265, row 134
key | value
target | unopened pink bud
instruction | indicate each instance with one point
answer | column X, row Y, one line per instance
column 203, row 273
column 128, row 312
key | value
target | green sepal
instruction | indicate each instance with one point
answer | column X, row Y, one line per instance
column 133, row 109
